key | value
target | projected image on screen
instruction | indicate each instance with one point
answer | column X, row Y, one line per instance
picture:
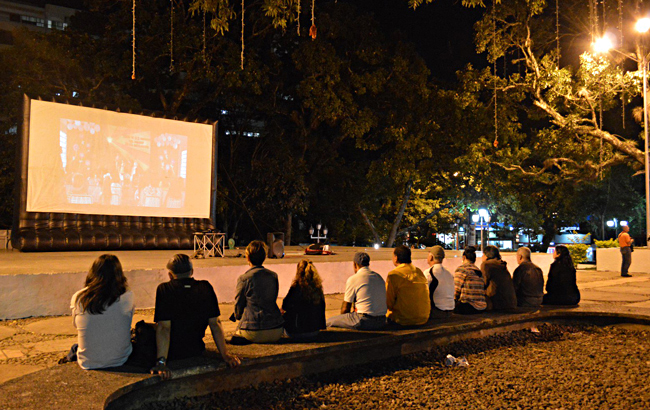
column 112, row 165
column 87, row 160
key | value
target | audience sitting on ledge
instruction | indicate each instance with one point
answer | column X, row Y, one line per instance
column 103, row 310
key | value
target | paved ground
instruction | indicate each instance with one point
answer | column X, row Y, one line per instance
column 28, row 345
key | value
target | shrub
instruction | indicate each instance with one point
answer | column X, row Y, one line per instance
column 610, row 243
column 578, row 252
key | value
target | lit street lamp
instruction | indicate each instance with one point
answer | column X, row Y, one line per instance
column 483, row 219
column 318, row 237
column 604, row 45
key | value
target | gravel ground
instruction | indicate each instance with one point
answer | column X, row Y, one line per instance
column 562, row 367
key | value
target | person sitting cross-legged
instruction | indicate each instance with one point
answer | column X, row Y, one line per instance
column 256, row 308
column 441, row 282
column 303, row 309
column 528, row 280
column 407, row 291
column 185, row 307
column 364, row 303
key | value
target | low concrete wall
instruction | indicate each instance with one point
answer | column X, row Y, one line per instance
column 609, row 259
column 27, row 295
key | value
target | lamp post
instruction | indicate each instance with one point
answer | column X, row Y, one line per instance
column 318, row 237
column 603, row 45
column 483, row 219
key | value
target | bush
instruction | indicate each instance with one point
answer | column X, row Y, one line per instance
column 578, row 253
column 610, row 243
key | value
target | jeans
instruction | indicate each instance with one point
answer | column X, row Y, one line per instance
column 626, row 252
column 357, row 321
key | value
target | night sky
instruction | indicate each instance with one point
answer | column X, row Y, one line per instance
column 442, row 31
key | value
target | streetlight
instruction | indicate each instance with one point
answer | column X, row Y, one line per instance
column 603, row 45
column 318, row 237
column 483, row 218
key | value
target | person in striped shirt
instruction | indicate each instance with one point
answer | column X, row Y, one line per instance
column 469, row 285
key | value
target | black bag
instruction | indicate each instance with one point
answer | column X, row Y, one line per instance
column 143, row 340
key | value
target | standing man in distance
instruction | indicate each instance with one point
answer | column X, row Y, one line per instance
column 184, row 308
column 441, row 281
column 364, row 303
column 407, row 291
column 625, row 242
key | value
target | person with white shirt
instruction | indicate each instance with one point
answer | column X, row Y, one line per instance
column 364, row 304
column 441, row 281
column 102, row 312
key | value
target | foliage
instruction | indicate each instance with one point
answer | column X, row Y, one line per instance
column 578, row 253
column 609, row 243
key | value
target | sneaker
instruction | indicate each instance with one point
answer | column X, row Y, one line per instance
column 626, row 275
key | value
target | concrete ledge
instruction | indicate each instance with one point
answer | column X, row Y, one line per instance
column 69, row 387
column 609, row 260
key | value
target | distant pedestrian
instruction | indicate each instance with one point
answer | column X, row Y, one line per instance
column 528, row 280
column 500, row 290
column 561, row 286
column 304, row 306
column 469, row 285
column 441, row 281
column 364, row 303
column 407, row 291
column 625, row 242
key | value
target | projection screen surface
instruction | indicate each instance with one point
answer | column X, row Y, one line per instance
column 93, row 161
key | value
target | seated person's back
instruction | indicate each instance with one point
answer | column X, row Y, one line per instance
column 366, row 292
column 561, row 286
column 441, row 281
column 528, row 280
column 500, row 289
column 260, row 319
column 407, row 291
column 304, row 305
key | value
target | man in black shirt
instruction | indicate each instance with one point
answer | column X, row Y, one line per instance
column 184, row 308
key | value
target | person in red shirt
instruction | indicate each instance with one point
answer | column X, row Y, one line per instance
column 625, row 242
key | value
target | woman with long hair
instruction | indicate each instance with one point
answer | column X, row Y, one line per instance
column 304, row 306
column 102, row 312
column 561, row 286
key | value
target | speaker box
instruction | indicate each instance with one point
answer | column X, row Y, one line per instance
column 275, row 242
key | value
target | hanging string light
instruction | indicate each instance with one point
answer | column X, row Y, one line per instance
column 171, row 37
column 133, row 44
column 494, row 41
column 620, row 33
column 312, row 29
column 298, row 18
column 204, row 58
column 557, row 31
column 242, row 34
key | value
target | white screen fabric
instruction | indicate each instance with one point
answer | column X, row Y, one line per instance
column 92, row 161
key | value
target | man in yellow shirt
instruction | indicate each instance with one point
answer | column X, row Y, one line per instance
column 407, row 291
column 625, row 242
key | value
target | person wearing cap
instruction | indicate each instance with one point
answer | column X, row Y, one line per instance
column 184, row 308
column 364, row 303
column 441, row 281
column 407, row 291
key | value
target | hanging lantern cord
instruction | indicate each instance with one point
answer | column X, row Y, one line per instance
column 133, row 44
column 171, row 40
column 242, row 34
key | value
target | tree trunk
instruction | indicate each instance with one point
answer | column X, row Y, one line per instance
column 370, row 225
column 400, row 214
column 287, row 233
